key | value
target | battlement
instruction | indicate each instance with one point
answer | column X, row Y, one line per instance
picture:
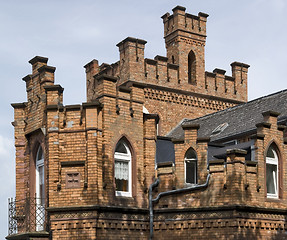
column 183, row 67
column 184, row 22
column 160, row 72
column 179, row 77
column 234, row 86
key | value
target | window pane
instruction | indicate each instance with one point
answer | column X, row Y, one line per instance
column 41, row 174
column 41, row 184
column 270, row 153
column 121, row 170
column 271, row 178
column 122, row 185
column 121, row 148
column 190, row 174
column 190, row 154
column 121, row 175
column 40, row 154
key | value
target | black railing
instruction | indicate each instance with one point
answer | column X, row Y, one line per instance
column 27, row 215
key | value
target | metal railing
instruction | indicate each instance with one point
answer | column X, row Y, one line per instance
column 27, row 215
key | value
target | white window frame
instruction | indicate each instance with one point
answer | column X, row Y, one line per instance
column 273, row 161
column 40, row 200
column 123, row 157
column 186, row 160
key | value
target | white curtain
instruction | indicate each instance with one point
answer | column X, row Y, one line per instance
column 121, row 170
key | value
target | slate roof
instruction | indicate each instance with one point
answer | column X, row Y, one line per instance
column 241, row 118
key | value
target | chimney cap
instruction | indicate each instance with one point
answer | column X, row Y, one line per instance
column 131, row 39
column 239, row 64
column 38, row 59
column 179, row 8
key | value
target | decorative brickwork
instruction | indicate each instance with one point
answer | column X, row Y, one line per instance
column 137, row 101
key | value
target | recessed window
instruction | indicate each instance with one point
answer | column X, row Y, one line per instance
column 272, row 173
column 191, row 68
column 123, row 169
column 40, row 190
column 190, row 162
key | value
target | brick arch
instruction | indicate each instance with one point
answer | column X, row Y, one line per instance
column 194, row 149
column 127, row 140
column 186, row 148
column 277, row 147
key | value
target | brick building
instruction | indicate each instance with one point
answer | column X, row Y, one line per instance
column 161, row 149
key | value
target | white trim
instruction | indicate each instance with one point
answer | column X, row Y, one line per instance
column 195, row 170
column 125, row 157
column 39, row 164
column 40, row 199
column 274, row 162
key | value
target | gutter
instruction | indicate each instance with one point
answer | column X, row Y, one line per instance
column 162, row 194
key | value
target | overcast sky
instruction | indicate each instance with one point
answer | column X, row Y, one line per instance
column 72, row 33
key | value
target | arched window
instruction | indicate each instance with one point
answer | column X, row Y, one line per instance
column 272, row 184
column 123, row 173
column 190, row 163
column 40, row 190
column 191, row 68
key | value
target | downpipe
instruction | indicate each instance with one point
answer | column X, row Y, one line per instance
column 151, row 187
column 182, row 190
column 162, row 194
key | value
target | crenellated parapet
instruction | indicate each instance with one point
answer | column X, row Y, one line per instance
column 232, row 87
column 185, row 23
column 183, row 67
column 159, row 72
